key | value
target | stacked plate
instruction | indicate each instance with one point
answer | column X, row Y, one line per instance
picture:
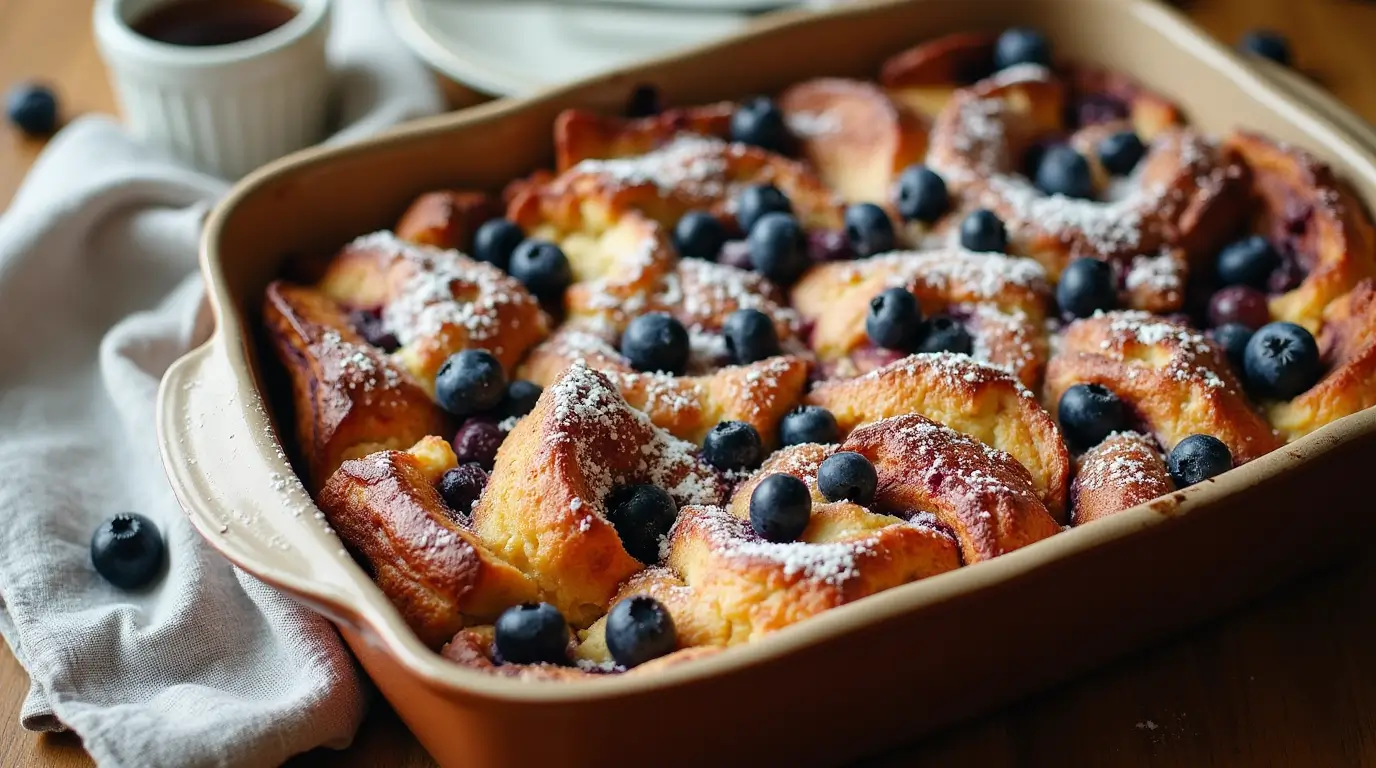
column 515, row 47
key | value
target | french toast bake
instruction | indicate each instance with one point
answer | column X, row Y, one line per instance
column 725, row 367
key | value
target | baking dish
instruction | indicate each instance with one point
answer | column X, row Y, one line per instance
column 885, row 669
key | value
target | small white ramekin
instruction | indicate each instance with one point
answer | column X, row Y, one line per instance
column 225, row 109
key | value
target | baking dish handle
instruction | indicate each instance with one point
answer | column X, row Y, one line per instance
column 216, row 459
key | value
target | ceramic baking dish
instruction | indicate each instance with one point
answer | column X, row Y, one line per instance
column 874, row 673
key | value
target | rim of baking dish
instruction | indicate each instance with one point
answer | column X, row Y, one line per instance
column 361, row 604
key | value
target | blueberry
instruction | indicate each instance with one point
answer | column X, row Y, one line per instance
column 642, row 515
column 780, row 507
column 1020, row 45
column 824, row 245
column 644, row 101
column 521, row 397
column 1087, row 285
column 656, row 342
column 1268, row 45
column 922, row 194
column 543, row 268
column 1239, row 304
column 757, row 200
column 469, row 382
column 869, row 230
column 750, row 336
column 1063, row 171
column 943, row 333
column 733, row 445
column 369, row 325
column 847, row 475
column 639, row 629
column 778, row 248
column 1233, row 338
column 759, row 122
column 1121, row 152
column 698, row 235
column 1281, row 361
column 461, row 486
column 808, row 424
column 127, row 551
column 1249, row 261
column 735, row 254
column 532, row 633
column 1198, row 458
column 495, row 241
column 983, row 231
column 1089, row 413
column 32, row 108
column 894, row 319
column 477, row 442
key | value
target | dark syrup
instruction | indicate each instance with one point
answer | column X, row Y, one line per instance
column 212, row 22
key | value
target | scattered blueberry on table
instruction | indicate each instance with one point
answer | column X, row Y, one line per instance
column 32, row 107
column 1267, row 44
column 127, row 551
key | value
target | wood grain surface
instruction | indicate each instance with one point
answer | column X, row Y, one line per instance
column 1289, row 680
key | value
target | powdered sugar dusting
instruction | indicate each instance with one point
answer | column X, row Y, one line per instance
column 443, row 291
column 811, row 124
column 584, row 401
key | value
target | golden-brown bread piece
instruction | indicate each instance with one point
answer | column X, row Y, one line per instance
column 1173, row 379
column 474, row 648
column 925, row 76
column 435, row 302
column 857, row 138
column 967, row 396
column 942, row 498
column 1313, row 219
column 618, row 272
column 544, row 506
column 1347, row 345
column 758, row 394
column 1107, row 97
column 1002, row 300
column 446, row 218
column 983, row 495
column 1183, row 202
column 688, row 172
column 1124, row 470
column 700, row 294
column 582, row 135
column 385, row 508
column 350, row 398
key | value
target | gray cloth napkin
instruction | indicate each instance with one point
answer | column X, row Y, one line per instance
column 98, row 295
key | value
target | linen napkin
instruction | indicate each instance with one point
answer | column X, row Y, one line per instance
column 98, row 295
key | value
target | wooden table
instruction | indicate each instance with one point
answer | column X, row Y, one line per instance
column 1290, row 680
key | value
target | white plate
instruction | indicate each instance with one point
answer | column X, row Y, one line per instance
column 511, row 47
